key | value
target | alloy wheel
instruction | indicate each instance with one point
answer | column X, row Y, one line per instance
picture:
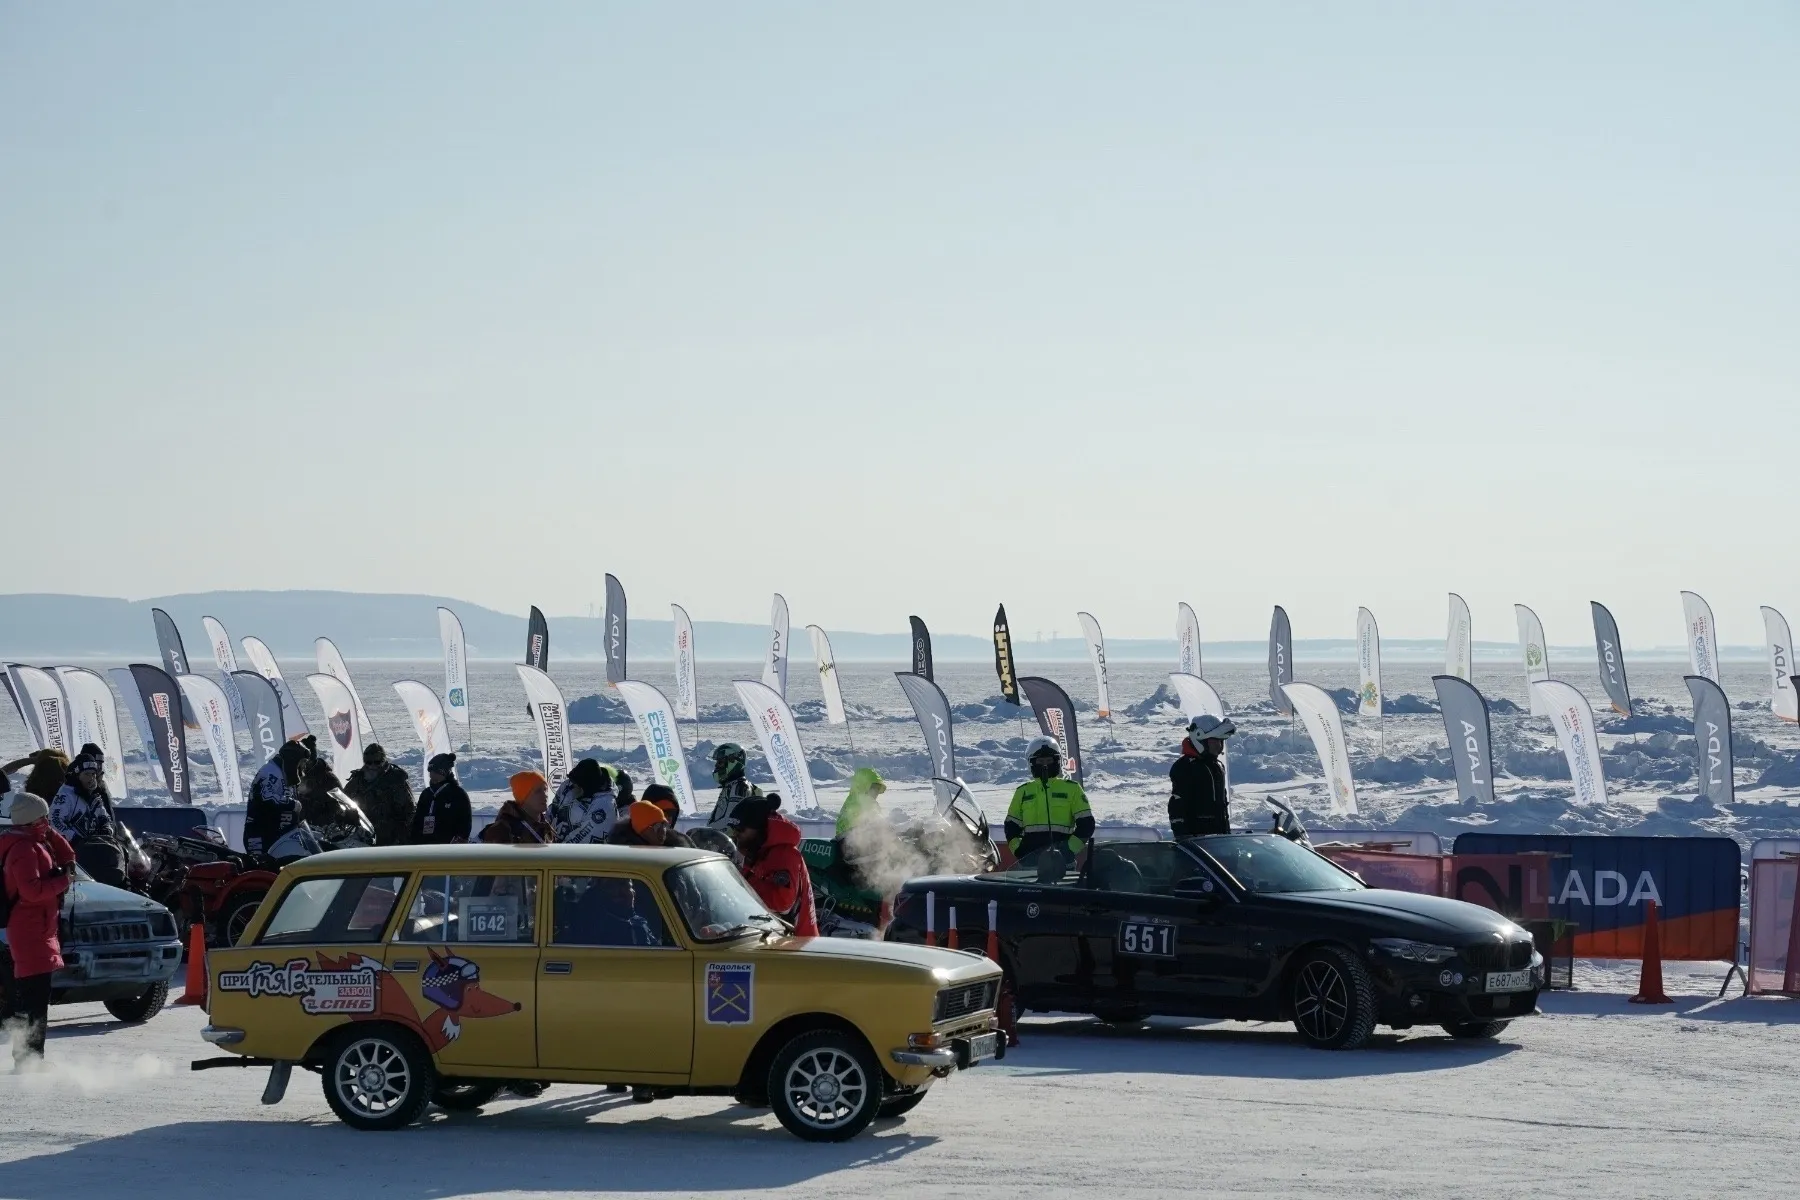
column 1321, row 1001
column 825, row 1087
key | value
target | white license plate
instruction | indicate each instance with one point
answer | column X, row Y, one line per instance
column 982, row 1045
column 1509, row 981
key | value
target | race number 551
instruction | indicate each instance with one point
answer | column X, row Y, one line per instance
column 1147, row 939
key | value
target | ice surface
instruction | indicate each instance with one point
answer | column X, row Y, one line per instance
column 1596, row 1098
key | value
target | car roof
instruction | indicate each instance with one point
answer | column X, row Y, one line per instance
column 482, row 856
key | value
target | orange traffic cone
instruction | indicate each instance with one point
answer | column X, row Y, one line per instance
column 1650, row 983
column 950, row 939
column 194, row 992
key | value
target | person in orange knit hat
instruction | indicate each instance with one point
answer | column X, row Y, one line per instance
column 646, row 824
column 521, row 819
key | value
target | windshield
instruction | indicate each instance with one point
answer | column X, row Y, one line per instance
column 715, row 902
column 1264, row 863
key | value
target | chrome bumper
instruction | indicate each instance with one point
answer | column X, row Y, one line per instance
column 936, row 1059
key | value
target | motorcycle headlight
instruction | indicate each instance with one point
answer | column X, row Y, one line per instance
column 1411, row 951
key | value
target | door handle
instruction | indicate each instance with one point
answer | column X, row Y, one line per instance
column 559, row 968
column 405, row 964
column 1095, row 910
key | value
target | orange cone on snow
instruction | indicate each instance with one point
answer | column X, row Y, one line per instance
column 194, row 992
column 1650, row 983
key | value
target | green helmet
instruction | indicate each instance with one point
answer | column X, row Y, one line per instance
column 728, row 763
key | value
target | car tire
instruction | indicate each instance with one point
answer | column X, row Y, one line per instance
column 464, row 1095
column 1332, row 999
column 378, row 1077
column 236, row 918
column 825, row 1086
column 1474, row 1031
column 135, row 1010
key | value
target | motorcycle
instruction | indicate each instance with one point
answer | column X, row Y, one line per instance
column 221, row 888
column 852, row 884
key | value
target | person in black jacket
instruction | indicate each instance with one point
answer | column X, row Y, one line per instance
column 1197, row 800
column 442, row 815
column 385, row 794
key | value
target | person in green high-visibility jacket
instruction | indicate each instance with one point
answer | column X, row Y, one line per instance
column 1048, row 810
column 863, row 802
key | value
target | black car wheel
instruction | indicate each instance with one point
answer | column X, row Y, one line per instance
column 1333, row 1000
column 464, row 1095
column 135, row 1010
column 234, row 920
column 824, row 1086
column 1476, row 1030
column 378, row 1078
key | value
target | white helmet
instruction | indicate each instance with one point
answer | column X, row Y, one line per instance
column 1040, row 744
column 1206, row 726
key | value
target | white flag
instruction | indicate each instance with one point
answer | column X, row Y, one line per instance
column 1459, row 643
column 1702, row 636
column 551, row 716
column 292, row 719
column 828, row 679
column 1782, row 697
column 1096, row 644
column 225, row 658
column 1368, row 663
column 427, row 716
column 687, row 693
column 456, row 674
column 1537, row 654
column 1187, row 640
column 332, row 663
column 342, row 738
column 93, row 717
column 775, row 667
column 212, row 712
column 775, row 729
column 43, row 707
column 1573, row 718
column 1319, row 713
column 662, row 739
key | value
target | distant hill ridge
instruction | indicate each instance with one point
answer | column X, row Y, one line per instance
column 41, row 626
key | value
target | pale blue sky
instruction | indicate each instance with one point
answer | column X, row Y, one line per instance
column 1098, row 306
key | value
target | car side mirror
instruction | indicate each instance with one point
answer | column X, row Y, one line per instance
column 1198, row 888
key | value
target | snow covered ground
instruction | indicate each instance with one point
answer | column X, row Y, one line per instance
column 1596, row 1098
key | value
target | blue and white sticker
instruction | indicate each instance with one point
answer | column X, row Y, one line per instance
column 730, row 993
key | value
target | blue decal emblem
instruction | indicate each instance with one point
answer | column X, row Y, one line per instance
column 728, row 993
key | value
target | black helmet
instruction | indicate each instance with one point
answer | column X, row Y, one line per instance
column 728, row 763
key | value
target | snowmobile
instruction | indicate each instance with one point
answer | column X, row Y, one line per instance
column 953, row 841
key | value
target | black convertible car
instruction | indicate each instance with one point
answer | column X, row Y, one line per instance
column 1240, row 926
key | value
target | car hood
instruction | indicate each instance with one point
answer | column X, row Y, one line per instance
column 950, row 964
column 1433, row 915
column 88, row 898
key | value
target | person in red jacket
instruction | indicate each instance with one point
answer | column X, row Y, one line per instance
column 770, row 844
column 36, row 864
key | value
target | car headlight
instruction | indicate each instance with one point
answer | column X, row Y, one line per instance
column 1411, row 951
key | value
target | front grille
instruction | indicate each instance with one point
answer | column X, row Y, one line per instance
column 966, row 1000
column 1497, row 955
column 110, row 932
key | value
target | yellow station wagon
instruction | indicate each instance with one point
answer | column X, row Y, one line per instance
column 414, row 975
